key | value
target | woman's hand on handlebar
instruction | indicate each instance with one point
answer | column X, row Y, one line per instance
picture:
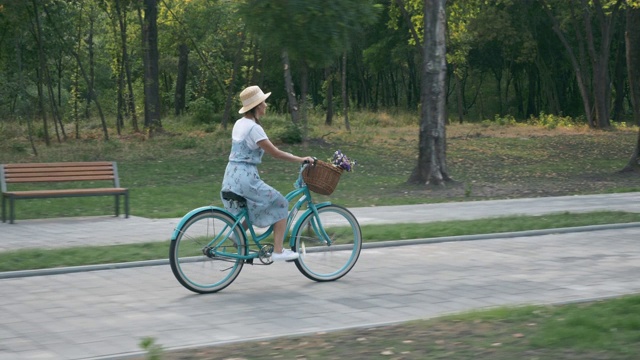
column 309, row 160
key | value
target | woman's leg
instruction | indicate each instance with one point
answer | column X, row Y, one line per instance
column 278, row 235
column 278, row 238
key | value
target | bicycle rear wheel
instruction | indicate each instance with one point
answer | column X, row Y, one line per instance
column 191, row 254
column 319, row 260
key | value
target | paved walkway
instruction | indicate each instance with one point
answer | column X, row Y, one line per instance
column 109, row 230
column 105, row 314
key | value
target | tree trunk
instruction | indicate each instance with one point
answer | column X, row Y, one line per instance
column 304, row 90
column 497, row 75
column 60, row 68
column 76, row 81
column 55, row 113
column 288, row 83
column 578, row 70
column 76, row 99
column 41, row 71
column 91, row 84
column 459, row 96
column 407, row 19
column 120, row 103
column 632, row 40
column 126, row 63
column 345, row 97
column 255, row 65
column 619, row 84
column 120, row 97
column 600, row 58
column 413, row 95
column 329, row 78
column 531, row 94
column 94, row 97
column 151, row 75
column 234, row 74
column 92, row 93
column 432, row 167
column 24, row 88
column 181, row 79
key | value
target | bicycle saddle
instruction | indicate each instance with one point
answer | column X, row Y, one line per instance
column 231, row 196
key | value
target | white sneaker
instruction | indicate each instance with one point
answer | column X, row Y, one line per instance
column 286, row 255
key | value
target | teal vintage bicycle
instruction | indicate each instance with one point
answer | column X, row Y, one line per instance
column 209, row 246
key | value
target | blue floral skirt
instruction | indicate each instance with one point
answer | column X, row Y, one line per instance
column 266, row 205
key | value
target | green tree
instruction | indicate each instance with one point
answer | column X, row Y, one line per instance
column 209, row 37
column 16, row 57
column 432, row 161
column 460, row 13
column 593, row 24
column 330, row 23
column 118, row 12
column 62, row 19
column 152, row 108
column 504, row 45
column 632, row 41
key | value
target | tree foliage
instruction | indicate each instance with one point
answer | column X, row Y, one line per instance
column 316, row 31
column 518, row 58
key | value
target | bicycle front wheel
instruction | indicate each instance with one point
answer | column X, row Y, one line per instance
column 197, row 255
column 329, row 244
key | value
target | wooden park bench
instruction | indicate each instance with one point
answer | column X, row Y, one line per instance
column 91, row 172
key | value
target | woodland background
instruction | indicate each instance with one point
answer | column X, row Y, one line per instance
column 127, row 64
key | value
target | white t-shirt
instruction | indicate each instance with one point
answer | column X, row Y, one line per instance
column 246, row 129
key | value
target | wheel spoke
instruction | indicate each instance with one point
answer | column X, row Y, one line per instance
column 193, row 266
column 327, row 259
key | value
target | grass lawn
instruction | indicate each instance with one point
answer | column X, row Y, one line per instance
column 171, row 174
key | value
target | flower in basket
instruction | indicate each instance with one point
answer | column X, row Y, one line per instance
column 342, row 161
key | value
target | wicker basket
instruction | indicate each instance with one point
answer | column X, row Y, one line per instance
column 322, row 178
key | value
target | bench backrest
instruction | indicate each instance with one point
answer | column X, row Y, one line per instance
column 58, row 172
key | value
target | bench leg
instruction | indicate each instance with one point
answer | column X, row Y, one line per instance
column 126, row 205
column 117, row 205
column 4, row 209
column 12, row 210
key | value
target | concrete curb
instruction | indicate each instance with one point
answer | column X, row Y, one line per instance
column 381, row 244
column 501, row 235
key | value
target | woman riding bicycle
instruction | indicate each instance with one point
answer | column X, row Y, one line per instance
column 249, row 142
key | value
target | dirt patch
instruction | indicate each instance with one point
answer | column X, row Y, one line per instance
column 585, row 184
column 417, row 340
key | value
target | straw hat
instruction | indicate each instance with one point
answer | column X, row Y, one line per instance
column 252, row 97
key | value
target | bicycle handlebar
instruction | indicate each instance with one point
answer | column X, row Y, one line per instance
column 307, row 161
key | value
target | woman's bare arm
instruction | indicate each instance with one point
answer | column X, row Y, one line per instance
column 273, row 150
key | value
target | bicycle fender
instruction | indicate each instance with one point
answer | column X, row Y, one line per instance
column 193, row 212
column 304, row 215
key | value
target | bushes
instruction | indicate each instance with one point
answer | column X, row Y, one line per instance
column 202, row 111
column 504, row 121
column 551, row 121
column 290, row 134
column 548, row 121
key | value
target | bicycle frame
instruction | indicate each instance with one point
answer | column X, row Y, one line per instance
column 292, row 224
